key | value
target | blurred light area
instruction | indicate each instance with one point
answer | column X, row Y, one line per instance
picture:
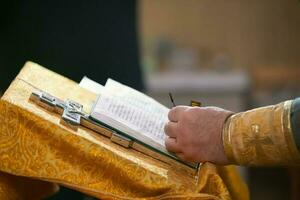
column 209, row 87
column 206, row 81
column 217, row 34
column 201, row 37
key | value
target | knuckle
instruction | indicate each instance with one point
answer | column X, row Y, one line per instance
column 168, row 146
column 166, row 127
column 176, row 111
column 171, row 113
column 167, row 142
column 188, row 114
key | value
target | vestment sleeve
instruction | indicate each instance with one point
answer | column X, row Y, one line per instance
column 265, row 136
column 295, row 121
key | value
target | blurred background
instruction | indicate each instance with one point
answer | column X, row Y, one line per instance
column 233, row 54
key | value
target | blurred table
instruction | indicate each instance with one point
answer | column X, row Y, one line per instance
column 224, row 89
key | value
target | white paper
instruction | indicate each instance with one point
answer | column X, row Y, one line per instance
column 132, row 111
column 133, row 96
column 91, row 85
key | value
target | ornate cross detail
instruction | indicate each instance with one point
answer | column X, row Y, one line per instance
column 258, row 141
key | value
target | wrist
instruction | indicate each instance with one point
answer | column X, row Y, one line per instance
column 226, row 141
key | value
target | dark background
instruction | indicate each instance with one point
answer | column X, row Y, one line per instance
column 74, row 38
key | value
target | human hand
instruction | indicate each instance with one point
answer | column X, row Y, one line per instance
column 195, row 133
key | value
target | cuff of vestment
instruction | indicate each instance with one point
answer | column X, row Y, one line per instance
column 261, row 137
column 227, row 142
column 295, row 121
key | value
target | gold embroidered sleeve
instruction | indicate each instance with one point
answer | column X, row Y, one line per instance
column 261, row 137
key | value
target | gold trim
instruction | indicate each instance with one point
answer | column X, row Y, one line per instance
column 288, row 134
column 226, row 140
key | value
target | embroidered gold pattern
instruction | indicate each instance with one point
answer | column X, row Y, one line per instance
column 261, row 137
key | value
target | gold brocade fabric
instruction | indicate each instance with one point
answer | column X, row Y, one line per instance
column 38, row 153
column 261, row 137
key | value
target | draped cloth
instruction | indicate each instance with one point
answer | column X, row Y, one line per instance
column 38, row 153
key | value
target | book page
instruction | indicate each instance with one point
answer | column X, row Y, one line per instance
column 133, row 96
column 131, row 111
column 91, row 85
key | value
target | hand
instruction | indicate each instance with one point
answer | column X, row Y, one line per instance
column 195, row 133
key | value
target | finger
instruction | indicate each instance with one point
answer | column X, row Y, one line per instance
column 180, row 155
column 175, row 113
column 184, row 157
column 171, row 145
column 171, row 129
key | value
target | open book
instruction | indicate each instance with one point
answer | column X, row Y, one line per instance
column 132, row 114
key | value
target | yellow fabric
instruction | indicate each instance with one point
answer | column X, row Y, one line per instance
column 34, row 144
column 261, row 137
